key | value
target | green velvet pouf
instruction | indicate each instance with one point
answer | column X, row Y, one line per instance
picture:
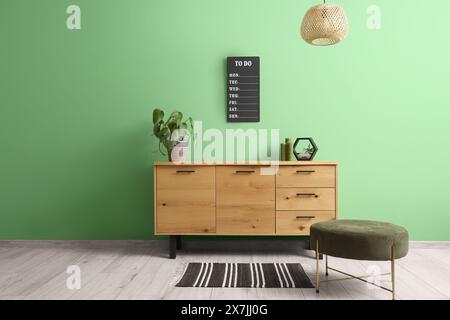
column 359, row 239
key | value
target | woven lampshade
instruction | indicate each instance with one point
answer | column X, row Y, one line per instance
column 324, row 25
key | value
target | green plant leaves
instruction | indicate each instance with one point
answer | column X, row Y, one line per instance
column 188, row 124
column 158, row 115
column 174, row 120
column 163, row 130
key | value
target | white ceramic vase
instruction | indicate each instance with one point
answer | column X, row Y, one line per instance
column 180, row 152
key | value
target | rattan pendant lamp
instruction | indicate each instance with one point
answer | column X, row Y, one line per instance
column 324, row 25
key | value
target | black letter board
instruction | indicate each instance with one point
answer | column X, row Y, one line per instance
column 243, row 89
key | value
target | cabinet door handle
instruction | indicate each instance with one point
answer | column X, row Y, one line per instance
column 305, row 171
column 308, row 195
column 305, row 217
column 185, row 171
column 245, row 171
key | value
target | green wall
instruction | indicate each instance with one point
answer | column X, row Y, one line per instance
column 76, row 149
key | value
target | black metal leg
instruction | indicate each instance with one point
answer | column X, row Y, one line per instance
column 178, row 242
column 172, row 247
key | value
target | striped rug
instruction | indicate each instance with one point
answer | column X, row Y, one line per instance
column 245, row 275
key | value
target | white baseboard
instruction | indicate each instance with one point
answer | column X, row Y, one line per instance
column 128, row 243
column 429, row 244
column 75, row 243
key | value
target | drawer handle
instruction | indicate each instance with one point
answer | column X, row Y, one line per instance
column 305, row 217
column 245, row 171
column 305, row 171
column 185, row 171
column 308, row 195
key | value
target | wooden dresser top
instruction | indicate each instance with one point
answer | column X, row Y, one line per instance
column 252, row 163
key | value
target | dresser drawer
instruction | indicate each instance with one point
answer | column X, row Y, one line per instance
column 185, row 199
column 299, row 222
column 245, row 201
column 306, row 176
column 186, row 177
column 306, row 199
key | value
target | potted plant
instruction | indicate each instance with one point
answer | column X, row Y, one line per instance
column 173, row 134
column 307, row 153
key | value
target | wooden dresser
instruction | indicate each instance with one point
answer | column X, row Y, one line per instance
column 243, row 198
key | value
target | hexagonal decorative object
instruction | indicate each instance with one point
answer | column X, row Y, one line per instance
column 305, row 149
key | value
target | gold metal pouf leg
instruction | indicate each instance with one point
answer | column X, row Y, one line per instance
column 317, row 267
column 393, row 272
column 350, row 276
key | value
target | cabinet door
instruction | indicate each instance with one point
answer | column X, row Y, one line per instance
column 185, row 199
column 245, row 201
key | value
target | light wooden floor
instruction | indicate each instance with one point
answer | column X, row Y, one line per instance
column 141, row 270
